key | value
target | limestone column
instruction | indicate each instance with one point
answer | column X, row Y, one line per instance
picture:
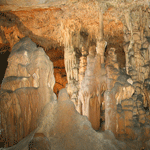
column 71, row 66
column 112, row 69
column 87, row 93
column 137, row 57
column 82, row 65
column 101, row 43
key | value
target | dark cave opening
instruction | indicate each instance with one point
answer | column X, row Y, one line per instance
column 146, row 109
column 3, row 61
column 119, row 52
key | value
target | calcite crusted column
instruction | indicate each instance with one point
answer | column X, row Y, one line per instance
column 82, row 65
column 94, row 81
column 136, row 47
column 137, row 52
column 110, row 101
column 87, row 90
column 26, row 88
column 83, row 106
column 91, row 88
column 118, row 98
column 71, row 66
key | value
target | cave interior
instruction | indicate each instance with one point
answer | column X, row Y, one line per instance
column 70, row 68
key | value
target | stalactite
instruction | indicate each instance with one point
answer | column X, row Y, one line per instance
column 71, row 66
column 101, row 25
column 90, row 92
column 130, row 47
column 71, row 63
column 101, row 44
column 137, row 60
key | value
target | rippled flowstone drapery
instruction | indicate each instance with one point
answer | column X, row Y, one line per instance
column 126, row 99
column 26, row 89
column 136, row 47
column 62, row 127
column 89, row 100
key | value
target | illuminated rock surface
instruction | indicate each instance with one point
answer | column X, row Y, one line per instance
column 101, row 56
column 26, row 89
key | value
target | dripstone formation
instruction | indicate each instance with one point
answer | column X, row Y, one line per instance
column 31, row 114
column 26, row 89
column 104, row 52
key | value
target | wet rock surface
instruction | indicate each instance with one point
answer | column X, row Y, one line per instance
column 29, row 73
column 100, row 51
column 68, row 130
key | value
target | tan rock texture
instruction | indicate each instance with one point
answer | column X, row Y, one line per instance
column 62, row 127
column 38, row 142
column 57, row 57
column 23, row 3
column 26, row 89
column 90, row 99
column 108, row 84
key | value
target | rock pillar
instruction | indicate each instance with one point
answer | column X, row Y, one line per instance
column 26, row 88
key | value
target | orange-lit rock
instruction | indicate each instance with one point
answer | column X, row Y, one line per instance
column 57, row 57
column 62, row 127
column 23, row 96
column 107, row 84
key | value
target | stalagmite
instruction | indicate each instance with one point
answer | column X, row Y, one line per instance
column 110, row 101
column 71, row 66
column 82, row 66
column 89, row 100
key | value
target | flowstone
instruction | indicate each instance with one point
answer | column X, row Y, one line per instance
column 25, row 90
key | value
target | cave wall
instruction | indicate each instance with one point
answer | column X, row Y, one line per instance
column 26, row 88
column 47, row 27
column 100, row 51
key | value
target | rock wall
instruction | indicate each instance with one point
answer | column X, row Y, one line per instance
column 137, row 64
column 112, row 91
column 26, row 88
column 126, row 97
column 62, row 127
column 24, row 3
column 57, row 57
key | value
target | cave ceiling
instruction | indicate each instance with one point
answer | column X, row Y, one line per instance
column 100, row 52
column 44, row 21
